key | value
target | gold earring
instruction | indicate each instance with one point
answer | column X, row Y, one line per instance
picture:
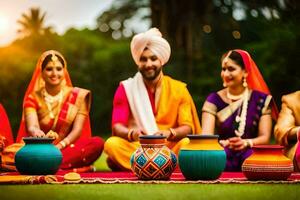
column 245, row 84
column 224, row 85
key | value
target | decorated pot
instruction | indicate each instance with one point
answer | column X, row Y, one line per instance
column 203, row 158
column 267, row 162
column 153, row 160
column 38, row 157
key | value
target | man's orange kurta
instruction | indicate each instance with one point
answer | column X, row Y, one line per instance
column 175, row 108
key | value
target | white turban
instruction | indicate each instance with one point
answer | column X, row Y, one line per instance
column 151, row 39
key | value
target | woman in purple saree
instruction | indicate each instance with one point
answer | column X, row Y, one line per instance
column 241, row 113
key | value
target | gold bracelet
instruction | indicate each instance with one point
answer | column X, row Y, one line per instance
column 250, row 142
column 67, row 141
column 63, row 144
column 173, row 133
column 129, row 135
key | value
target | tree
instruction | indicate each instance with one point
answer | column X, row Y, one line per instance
column 200, row 31
column 35, row 34
column 33, row 23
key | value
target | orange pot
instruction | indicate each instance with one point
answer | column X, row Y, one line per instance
column 267, row 163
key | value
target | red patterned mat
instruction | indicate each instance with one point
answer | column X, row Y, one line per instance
column 128, row 177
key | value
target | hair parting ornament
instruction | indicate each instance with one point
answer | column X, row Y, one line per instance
column 54, row 58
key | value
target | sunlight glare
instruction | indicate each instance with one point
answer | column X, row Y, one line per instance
column 3, row 24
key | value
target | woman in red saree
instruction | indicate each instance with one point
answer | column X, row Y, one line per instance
column 52, row 103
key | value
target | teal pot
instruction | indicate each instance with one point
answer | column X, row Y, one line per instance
column 38, row 157
column 203, row 158
column 153, row 160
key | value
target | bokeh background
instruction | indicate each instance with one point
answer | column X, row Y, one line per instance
column 94, row 36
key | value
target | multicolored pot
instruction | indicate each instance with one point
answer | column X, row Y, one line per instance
column 203, row 158
column 38, row 157
column 267, row 163
column 153, row 160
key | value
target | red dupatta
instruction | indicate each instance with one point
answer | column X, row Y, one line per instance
column 255, row 80
column 37, row 83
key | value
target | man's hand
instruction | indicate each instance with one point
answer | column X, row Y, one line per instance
column 136, row 133
column 166, row 133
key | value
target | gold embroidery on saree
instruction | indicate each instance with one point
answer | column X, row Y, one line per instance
column 226, row 112
column 209, row 108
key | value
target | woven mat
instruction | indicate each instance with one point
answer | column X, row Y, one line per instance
column 128, row 177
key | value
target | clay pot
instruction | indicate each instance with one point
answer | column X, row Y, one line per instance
column 38, row 157
column 267, row 163
column 203, row 158
column 153, row 160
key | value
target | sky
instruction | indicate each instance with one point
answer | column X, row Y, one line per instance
column 60, row 14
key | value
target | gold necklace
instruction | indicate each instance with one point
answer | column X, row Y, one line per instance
column 234, row 97
column 49, row 100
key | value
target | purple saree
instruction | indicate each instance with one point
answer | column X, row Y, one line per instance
column 258, row 105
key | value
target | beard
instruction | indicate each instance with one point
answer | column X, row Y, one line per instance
column 150, row 75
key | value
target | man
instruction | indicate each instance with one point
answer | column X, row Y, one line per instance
column 287, row 129
column 150, row 103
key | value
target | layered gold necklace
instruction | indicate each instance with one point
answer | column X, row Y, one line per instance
column 50, row 100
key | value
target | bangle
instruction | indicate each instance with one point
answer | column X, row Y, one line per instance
column 63, row 144
column 129, row 135
column 248, row 143
column 224, row 143
column 173, row 133
column 67, row 141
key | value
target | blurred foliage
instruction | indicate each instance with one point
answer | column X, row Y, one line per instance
column 95, row 62
column 199, row 33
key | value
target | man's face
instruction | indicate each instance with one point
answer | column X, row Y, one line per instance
column 150, row 66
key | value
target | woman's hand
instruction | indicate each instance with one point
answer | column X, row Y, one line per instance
column 36, row 132
column 59, row 146
column 224, row 143
column 237, row 143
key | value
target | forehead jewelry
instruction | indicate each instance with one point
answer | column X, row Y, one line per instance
column 54, row 58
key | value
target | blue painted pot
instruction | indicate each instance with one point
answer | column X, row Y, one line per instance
column 38, row 157
column 153, row 160
column 203, row 158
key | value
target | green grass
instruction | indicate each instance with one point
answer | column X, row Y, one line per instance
column 151, row 191
column 100, row 164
